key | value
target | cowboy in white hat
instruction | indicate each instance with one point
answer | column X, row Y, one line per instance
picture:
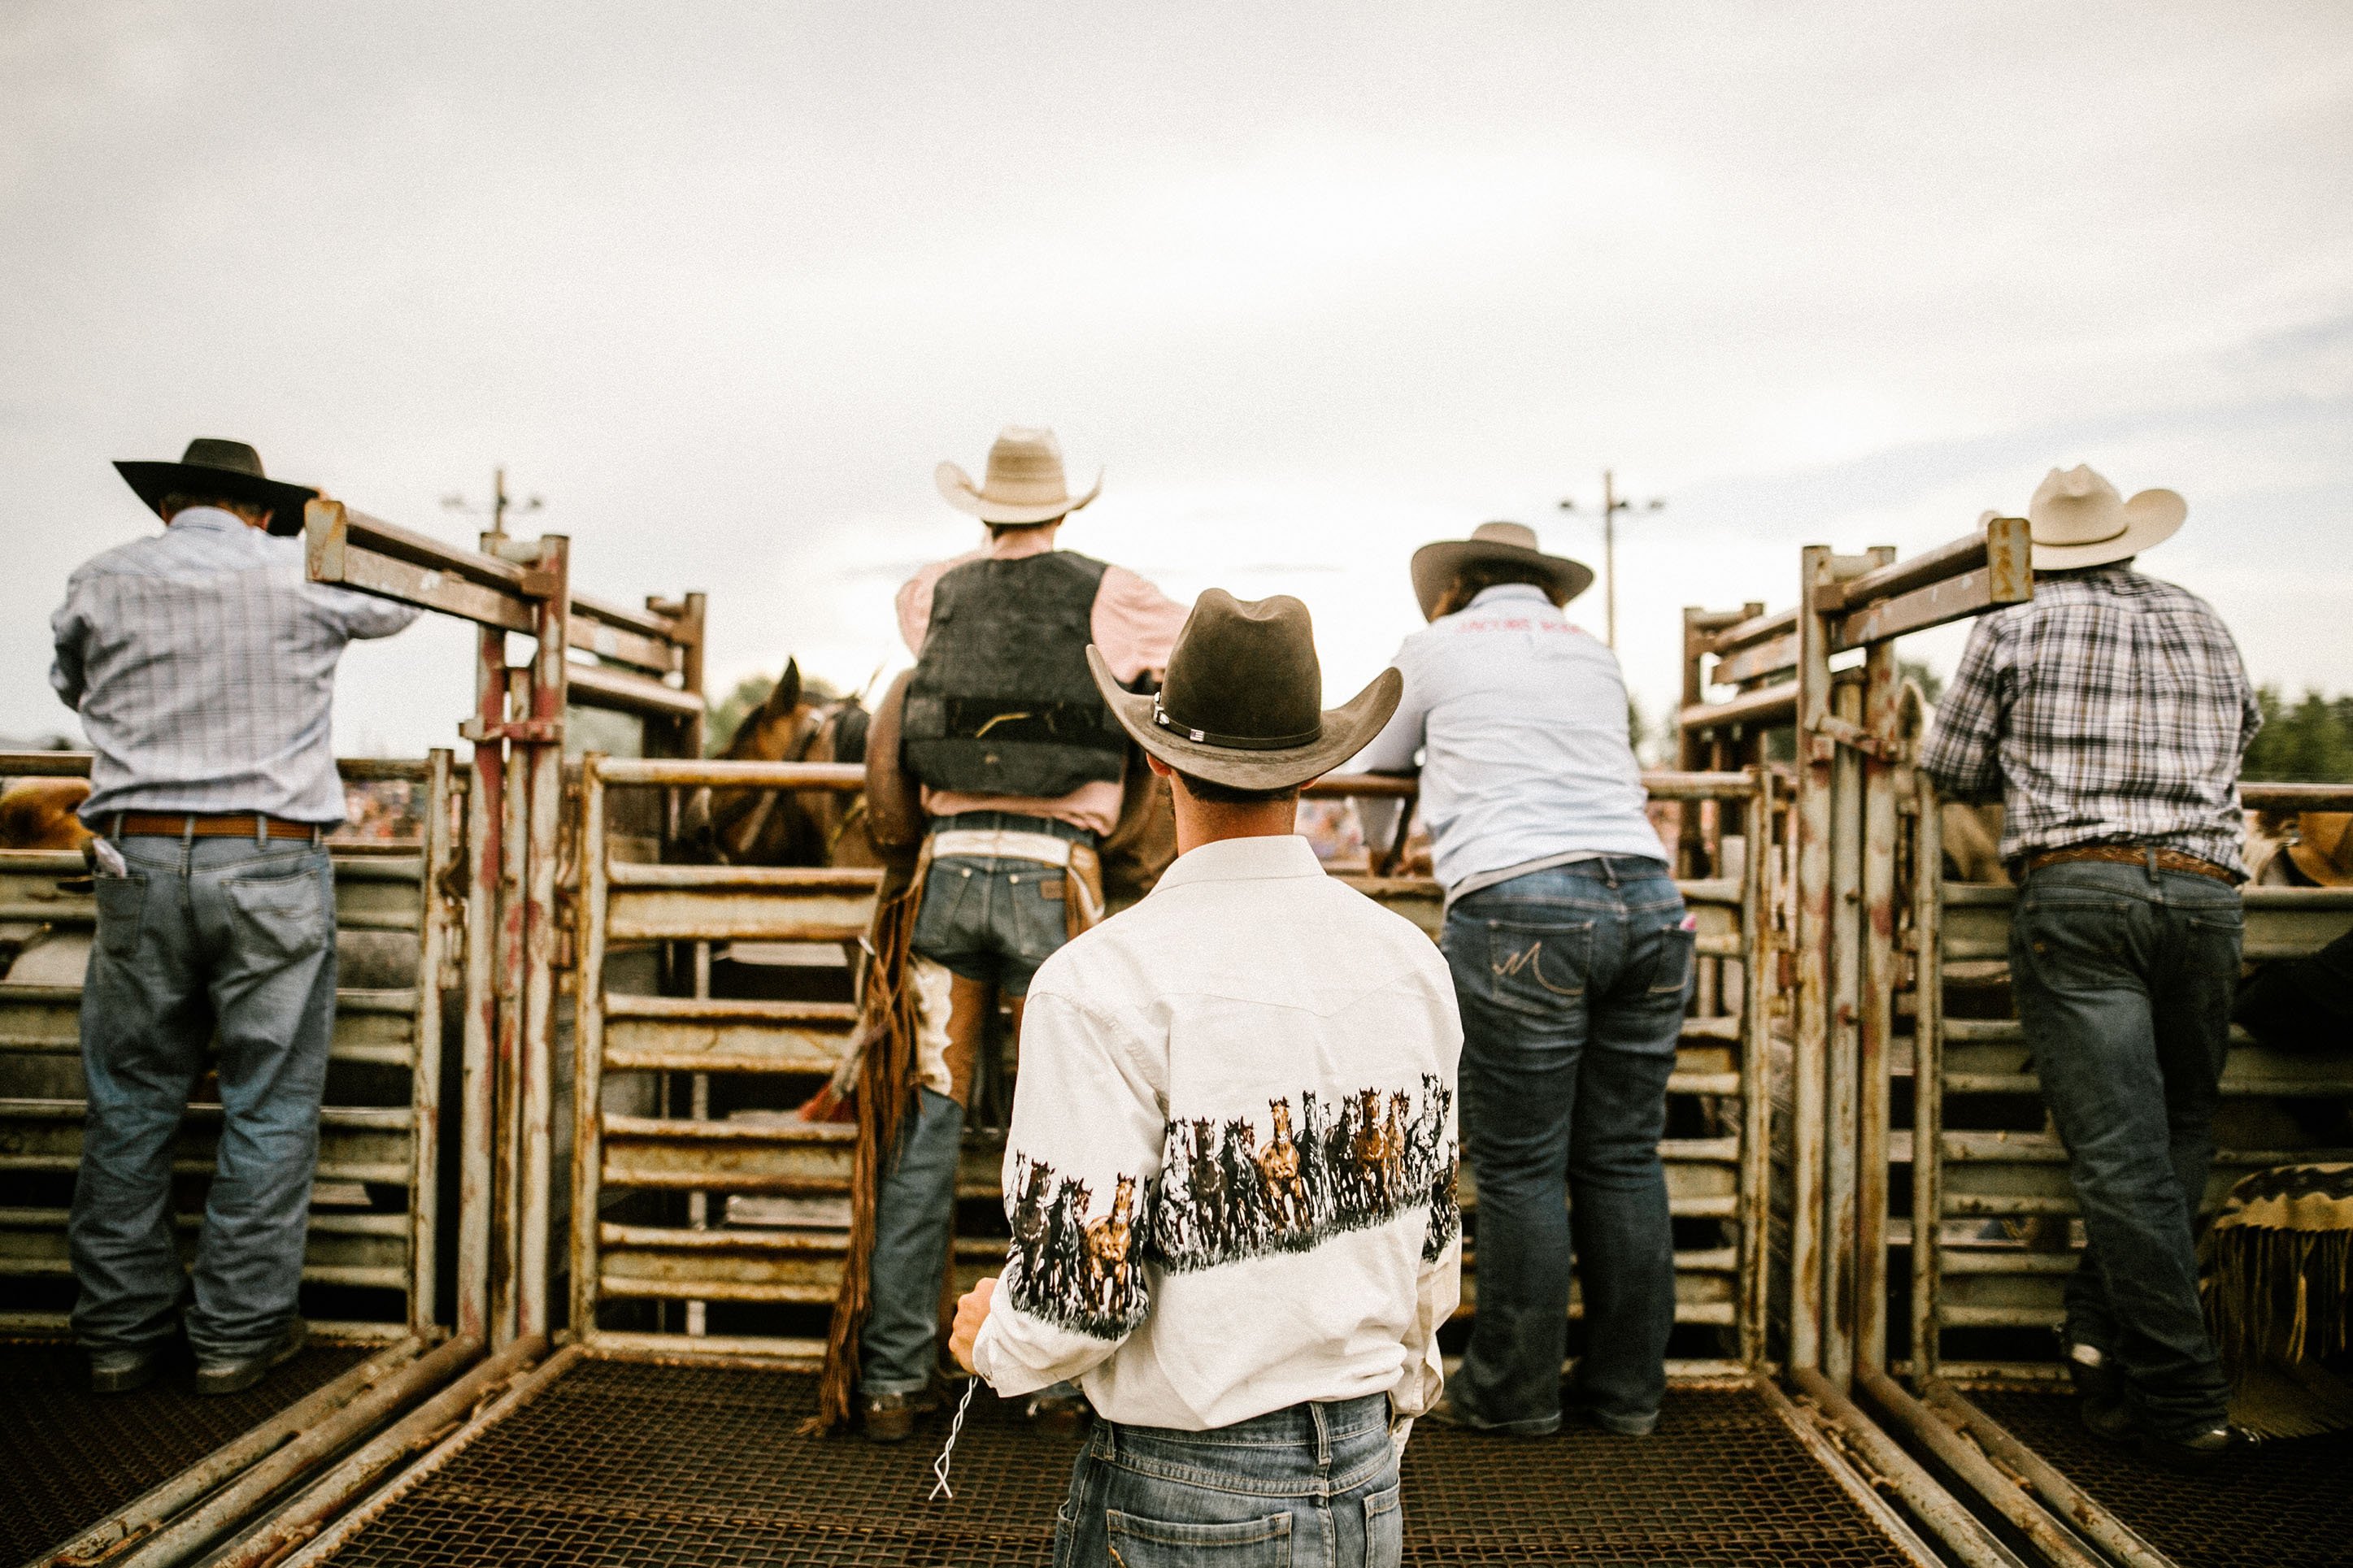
column 1570, row 957
column 203, row 666
column 1254, row 1347
column 2108, row 715
column 1021, row 764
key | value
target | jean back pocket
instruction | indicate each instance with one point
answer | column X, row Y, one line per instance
column 121, row 903
column 287, row 917
column 1385, row 1528
column 1538, row 969
column 1139, row 1542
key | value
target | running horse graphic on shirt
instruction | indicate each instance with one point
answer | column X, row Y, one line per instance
column 1221, row 1196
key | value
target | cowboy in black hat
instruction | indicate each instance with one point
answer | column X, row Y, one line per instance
column 203, row 667
column 1231, row 1164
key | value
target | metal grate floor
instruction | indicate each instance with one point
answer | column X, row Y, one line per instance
column 2287, row 1505
column 68, row 1458
column 616, row 1463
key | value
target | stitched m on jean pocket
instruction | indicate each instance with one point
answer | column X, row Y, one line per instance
column 1538, row 969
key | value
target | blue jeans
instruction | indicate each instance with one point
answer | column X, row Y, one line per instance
column 1313, row 1486
column 2124, row 977
column 990, row 918
column 1572, row 983
column 202, row 933
column 983, row 918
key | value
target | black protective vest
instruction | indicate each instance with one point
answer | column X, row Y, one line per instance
column 1001, row 703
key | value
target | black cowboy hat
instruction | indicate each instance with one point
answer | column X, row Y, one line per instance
column 1242, row 705
column 229, row 470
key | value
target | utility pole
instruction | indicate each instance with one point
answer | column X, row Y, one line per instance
column 1612, row 503
column 500, row 503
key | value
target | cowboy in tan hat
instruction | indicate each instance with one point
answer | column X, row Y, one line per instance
column 2108, row 715
column 1021, row 766
column 203, row 665
column 1253, row 1346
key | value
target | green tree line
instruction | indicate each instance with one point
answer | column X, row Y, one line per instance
column 2310, row 742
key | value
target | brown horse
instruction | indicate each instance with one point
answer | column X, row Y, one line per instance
column 39, row 813
column 1278, row 1169
column 777, row 827
column 1111, row 1270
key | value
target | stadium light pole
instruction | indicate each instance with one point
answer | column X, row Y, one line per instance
column 1612, row 503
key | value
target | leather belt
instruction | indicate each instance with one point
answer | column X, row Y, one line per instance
column 200, row 825
column 2133, row 855
column 1002, row 844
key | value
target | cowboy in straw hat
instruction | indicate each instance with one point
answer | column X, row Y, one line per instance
column 203, row 666
column 2108, row 715
column 1534, row 805
column 1252, row 1014
column 1022, row 772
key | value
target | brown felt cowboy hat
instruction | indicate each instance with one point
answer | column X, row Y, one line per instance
column 1242, row 705
column 230, row 470
column 1025, row 481
column 1434, row 565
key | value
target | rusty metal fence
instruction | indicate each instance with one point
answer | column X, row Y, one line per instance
column 376, row 1220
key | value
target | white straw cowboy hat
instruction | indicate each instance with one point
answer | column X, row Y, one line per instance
column 1024, row 480
column 2079, row 520
column 1243, row 702
column 1434, row 565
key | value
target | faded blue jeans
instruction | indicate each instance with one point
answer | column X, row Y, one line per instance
column 1572, row 983
column 2124, row 977
column 203, row 933
column 1312, row 1486
column 983, row 918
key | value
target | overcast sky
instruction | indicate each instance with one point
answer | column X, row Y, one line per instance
column 1312, row 284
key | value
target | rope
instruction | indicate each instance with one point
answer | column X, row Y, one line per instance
column 956, row 1430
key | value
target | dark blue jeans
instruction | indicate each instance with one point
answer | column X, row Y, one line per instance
column 1313, row 1486
column 2123, row 977
column 210, row 932
column 1572, row 983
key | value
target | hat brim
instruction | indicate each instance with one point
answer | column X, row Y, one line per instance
column 961, row 493
column 1347, row 729
column 2307, row 857
column 153, row 481
column 2151, row 518
column 1434, row 566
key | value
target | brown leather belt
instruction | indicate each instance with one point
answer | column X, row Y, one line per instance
column 2133, row 855
column 187, row 824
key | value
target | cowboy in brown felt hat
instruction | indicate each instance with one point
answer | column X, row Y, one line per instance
column 203, row 666
column 1230, row 1170
column 2108, row 716
column 1023, row 774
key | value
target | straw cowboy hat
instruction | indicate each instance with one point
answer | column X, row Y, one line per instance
column 228, row 468
column 2322, row 847
column 2078, row 520
column 1242, row 703
column 1024, row 480
column 1434, row 565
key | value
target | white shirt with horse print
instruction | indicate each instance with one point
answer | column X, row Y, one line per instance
column 1230, row 1171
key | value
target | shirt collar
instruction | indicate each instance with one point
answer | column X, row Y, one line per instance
column 211, row 519
column 1512, row 590
column 1245, row 860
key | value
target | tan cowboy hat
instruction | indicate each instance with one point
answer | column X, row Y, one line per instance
column 2078, row 520
column 1024, row 480
column 1434, row 565
column 1242, row 703
column 229, row 470
column 2323, row 849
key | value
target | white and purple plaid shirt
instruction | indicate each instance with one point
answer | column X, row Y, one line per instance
column 2112, row 707
column 203, row 665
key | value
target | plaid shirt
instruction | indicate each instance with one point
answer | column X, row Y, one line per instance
column 2112, row 707
column 203, row 666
